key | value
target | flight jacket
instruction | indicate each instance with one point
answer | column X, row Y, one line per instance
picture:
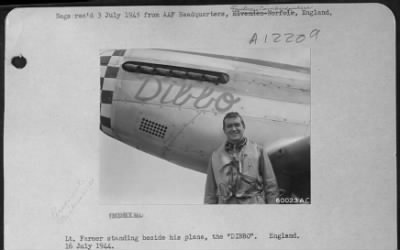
column 246, row 177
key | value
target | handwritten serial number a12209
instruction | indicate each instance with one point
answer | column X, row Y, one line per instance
column 284, row 37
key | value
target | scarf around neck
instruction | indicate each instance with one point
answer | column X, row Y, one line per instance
column 235, row 147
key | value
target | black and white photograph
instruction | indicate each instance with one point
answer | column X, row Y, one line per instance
column 228, row 128
column 248, row 126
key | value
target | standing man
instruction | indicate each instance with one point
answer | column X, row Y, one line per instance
column 239, row 171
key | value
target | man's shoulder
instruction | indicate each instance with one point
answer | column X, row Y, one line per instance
column 220, row 149
column 220, row 157
column 253, row 144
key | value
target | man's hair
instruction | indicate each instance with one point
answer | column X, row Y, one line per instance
column 232, row 115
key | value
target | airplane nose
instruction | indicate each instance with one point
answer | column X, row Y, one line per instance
column 105, row 112
column 109, row 68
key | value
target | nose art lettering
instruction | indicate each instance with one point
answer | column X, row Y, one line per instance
column 180, row 94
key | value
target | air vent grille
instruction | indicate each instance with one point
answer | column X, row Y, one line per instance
column 153, row 128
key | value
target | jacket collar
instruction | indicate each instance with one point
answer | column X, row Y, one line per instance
column 235, row 147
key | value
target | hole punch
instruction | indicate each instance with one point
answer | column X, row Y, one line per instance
column 18, row 61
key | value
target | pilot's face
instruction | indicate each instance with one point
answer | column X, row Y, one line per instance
column 233, row 129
